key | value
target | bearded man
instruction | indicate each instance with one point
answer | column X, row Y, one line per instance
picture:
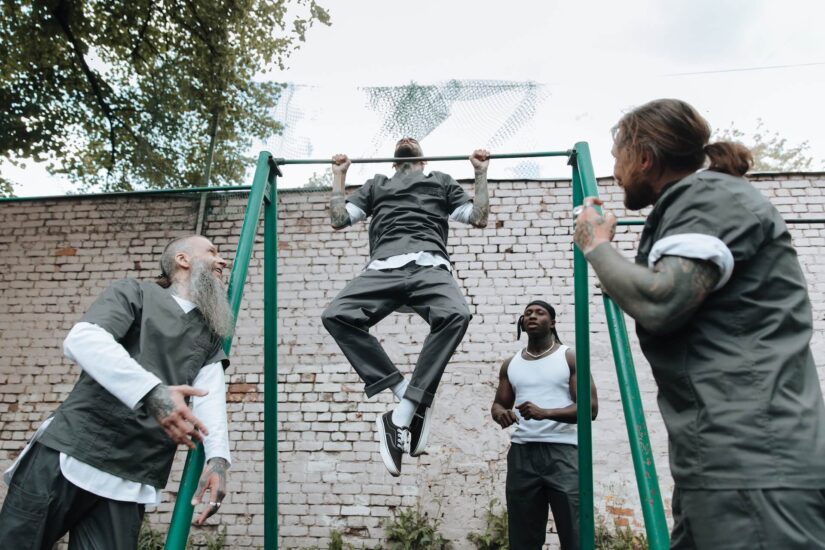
column 409, row 267
column 144, row 348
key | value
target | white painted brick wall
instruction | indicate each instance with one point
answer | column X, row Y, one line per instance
column 59, row 254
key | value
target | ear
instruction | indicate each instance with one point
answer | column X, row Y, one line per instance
column 645, row 161
column 183, row 261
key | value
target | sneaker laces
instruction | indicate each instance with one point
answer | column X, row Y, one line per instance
column 403, row 438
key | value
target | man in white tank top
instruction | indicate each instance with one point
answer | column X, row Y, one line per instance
column 537, row 392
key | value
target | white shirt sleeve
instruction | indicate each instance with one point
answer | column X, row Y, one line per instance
column 698, row 247
column 355, row 213
column 462, row 213
column 211, row 410
column 98, row 353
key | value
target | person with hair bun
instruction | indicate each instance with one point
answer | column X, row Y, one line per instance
column 723, row 316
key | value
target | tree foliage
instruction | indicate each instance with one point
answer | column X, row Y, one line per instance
column 123, row 94
column 771, row 152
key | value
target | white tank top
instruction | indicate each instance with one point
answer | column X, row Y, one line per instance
column 544, row 382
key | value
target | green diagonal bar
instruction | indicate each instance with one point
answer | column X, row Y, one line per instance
column 646, row 479
column 182, row 514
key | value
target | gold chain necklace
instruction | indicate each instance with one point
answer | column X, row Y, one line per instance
column 540, row 354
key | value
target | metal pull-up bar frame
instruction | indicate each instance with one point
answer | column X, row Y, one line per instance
column 263, row 196
column 394, row 160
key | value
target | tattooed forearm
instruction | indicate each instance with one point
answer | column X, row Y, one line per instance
column 158, row 402
column 218, row 466
column 662, row 299
column 481, row 201
column 338, row 215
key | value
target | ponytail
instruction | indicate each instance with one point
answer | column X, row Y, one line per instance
column 729, row 157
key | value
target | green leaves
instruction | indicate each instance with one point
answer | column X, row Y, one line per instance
column 771, row 152
column 121, row 95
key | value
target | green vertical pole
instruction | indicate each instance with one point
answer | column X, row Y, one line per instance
column 640, row 448
column 182, row 514
column 587, row 530
column 271, row 364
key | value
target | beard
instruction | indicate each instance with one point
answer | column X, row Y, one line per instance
column 407, row 150
column 638, row 192
column 209, row 294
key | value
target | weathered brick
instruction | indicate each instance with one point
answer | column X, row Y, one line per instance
column 61, row 253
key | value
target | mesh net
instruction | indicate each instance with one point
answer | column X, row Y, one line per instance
column 448, row 118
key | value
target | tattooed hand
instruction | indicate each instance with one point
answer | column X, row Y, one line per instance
column 212, row 480
column 592, row 228
column 168, row 405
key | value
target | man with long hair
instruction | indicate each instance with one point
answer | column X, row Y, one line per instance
column 144, row 349
column 408, row 267
column 723, row 316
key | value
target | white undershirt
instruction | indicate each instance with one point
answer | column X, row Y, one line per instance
column 109, row 364
column 460, row 214
column 698, row 247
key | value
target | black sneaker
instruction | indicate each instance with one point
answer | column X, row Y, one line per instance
column 420, row 430
column 393, row 441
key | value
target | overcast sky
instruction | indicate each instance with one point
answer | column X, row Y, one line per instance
column 735, row 61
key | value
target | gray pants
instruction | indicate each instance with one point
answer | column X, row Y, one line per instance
column 753, row 519
column 42, row 506
column 431, row 292
column 538, row 475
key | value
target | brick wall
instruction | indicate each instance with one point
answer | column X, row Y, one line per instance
column 58, row 254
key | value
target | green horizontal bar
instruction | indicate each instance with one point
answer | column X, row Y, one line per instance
column 428, row 159
column 142, row 192
column 791, row 220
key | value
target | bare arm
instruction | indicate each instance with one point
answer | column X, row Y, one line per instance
column 480, row 160
column 338, row 215
column 502, row 409
column 594, row 398
column 661, row 299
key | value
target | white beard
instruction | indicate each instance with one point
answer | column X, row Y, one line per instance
column 209, row 294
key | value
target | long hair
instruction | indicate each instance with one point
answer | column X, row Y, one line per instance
column 676, row 136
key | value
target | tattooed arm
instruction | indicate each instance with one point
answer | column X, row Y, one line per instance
column 338, row 216
column 661, row 299
column 480, row 160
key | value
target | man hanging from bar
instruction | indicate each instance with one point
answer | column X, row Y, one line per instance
column 408, row 267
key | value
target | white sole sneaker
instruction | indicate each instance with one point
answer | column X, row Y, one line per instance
column 425, row 433
column 389, row 463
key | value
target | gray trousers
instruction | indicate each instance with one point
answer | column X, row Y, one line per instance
column 541, row 475
column 431, row 292
column 752, row 519
column 42, row 506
